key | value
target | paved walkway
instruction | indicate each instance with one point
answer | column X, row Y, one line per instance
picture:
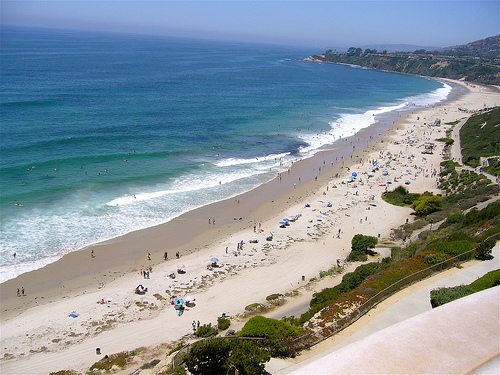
column 408, row 307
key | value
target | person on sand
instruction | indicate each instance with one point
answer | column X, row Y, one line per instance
column 149, row 256
column 22, row 291
column 178, row 255
column 18, row 293
column 165, row 256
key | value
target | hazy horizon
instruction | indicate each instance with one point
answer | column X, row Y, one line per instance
column 314, row 24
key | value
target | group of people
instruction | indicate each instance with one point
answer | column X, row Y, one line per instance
column 177, row 255
column 21, row 292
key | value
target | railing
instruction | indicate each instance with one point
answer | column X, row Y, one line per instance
column 314, row 338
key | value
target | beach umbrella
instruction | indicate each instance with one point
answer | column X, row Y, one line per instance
column 179, row 302
column 181, row 266
column 189, row 299
column 282, row 223
column 354, row 174
column 286, row 221
column 214, row 260
column 292, row 217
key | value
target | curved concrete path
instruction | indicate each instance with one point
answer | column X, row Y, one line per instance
column 455, row 338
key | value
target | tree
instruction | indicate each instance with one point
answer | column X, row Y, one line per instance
column 216, row 356
column 427, row 203
column 363, row 243
column 483, row 251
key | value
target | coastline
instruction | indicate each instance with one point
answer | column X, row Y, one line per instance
column 116, row 260
column 118, row 256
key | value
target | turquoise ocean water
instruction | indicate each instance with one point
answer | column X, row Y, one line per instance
column 90, row 120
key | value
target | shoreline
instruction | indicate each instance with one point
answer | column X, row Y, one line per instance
column 239, row 212
column 275, row 267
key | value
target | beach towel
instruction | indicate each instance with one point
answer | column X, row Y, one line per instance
column 74, row 315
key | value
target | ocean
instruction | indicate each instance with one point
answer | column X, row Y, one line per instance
column 103, row 134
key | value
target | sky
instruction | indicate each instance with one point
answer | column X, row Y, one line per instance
column 318, row 24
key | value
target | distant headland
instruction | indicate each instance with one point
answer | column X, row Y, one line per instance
column 477, row 61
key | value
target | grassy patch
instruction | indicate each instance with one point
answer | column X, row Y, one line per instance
column 121, row 360
column 400, row 196
column 480, row 137
column 490, row 280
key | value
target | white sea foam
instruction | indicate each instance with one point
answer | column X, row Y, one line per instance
column 234, row 161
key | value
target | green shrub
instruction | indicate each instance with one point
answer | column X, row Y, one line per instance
column 180, row 370
column 448, row 141
column 273, row 297
column 441, row 296
column 352, row 280
column 427, row 204
column 455, row 218
column 483, row 251
column 251, row 307
column 64, row 372
column 216, row 356
column 362, row 242
column 332, row 271
column 206, row 330
column 357, row 256
column 436, row 258
column 119, row 359
column 273, row 329
column 490, row 280
column 223, row 323
column 400, row 196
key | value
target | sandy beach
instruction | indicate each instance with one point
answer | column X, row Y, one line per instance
column 39, row 334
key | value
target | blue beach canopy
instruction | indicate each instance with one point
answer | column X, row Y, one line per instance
column 179, row 302
column 354, row 174
column 215, row 260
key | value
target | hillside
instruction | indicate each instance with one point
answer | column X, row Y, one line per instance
column 478, row 61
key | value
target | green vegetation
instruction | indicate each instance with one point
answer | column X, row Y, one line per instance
column 180, row 370
column 427, row 203
column 64, row 372
column 349, row 282
column 331, row 272
column 206, row 330
column 278, row 333
column 223, row 323
column 400, row 196
column 480, row 137
column 362, row 245
column 274, row 296
column 273, row 329
column 477, row 61
column 121, row 360
column 446, row 140
column 490, row 280
column 441, row 296
column 215, row 357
